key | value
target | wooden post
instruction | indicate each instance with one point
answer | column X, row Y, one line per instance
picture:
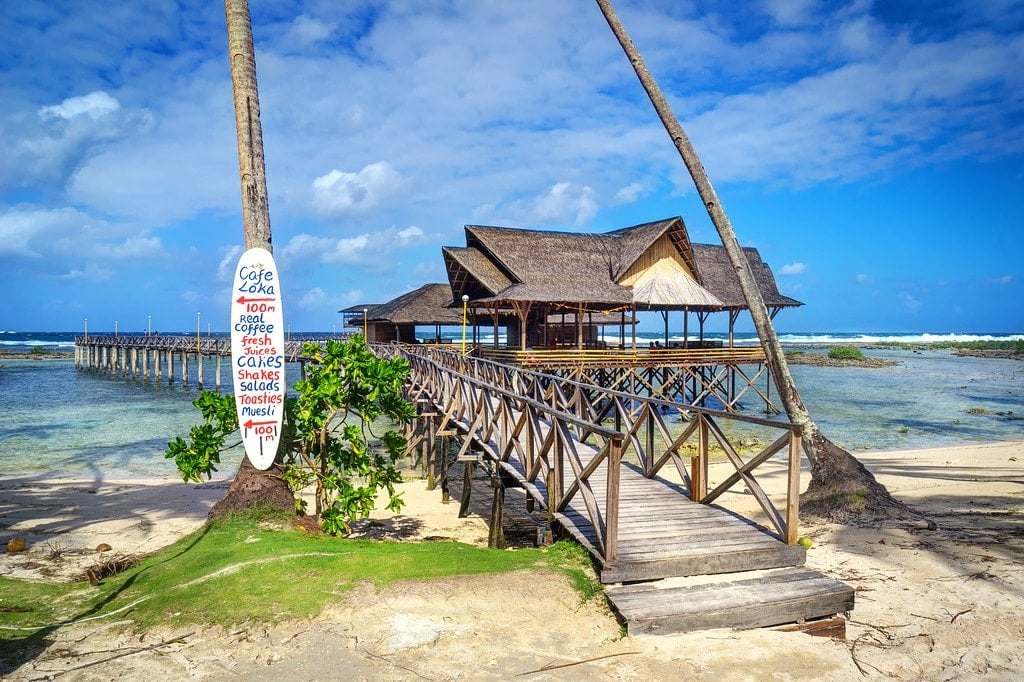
column 432, row 464
column 170, row 366
column 793, row 492
column 467, row 487
column 611, row 505
column 217, row 372
column 184, row 368
column 199, row 369
column 496, row 535
column 552, row 504
column 700, row 491
column 649, row 459
column 443, row 482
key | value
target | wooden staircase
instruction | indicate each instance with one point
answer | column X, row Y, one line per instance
column 747, row 600
column 684, row 566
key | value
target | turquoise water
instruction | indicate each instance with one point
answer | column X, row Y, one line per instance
column 58, row 421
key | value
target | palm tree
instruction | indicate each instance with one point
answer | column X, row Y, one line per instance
column 840, row 487
column 251, row 486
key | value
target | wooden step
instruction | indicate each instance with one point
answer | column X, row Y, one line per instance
column 774, row 597
column 716, row 560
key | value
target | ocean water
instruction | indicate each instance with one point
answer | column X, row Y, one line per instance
column 59, row 421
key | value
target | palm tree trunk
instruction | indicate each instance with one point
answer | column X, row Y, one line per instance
column 840, row 486
column 251, row 486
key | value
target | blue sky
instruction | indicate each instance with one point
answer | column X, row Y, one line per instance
column 873, row 152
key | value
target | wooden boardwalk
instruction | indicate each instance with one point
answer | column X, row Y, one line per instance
column 640, row 527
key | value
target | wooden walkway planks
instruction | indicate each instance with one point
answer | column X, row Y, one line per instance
column 756, row 578
column 771, row 598
column 662, row 533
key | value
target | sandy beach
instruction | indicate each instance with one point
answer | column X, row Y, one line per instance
column 943, row 604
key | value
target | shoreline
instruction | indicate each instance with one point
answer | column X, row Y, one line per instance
column 931, row 604
column 141, row 515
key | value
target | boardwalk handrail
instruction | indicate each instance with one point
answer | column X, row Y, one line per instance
column 509, row 425
column 641, row 421
column 600, row 357
column 184, row 343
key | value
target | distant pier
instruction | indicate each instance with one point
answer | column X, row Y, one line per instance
column 159, row 357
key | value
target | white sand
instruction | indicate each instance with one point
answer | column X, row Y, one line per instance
column 945, row 604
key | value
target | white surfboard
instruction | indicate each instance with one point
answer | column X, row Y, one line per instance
column 257, row 355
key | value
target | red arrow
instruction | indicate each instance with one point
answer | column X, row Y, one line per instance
column 249, row 424
column 243, row 299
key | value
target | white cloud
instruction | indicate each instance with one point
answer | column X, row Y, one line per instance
column 91, row 273
column 910, row 303
column 1005, row 279
column 372, row 250
column 352, row 296
column 306, row 30
column 314, row 299
column 95, row 105
column 339, row 192
column 791, row 12
column 226, row 267
column 629, row 193
column 793, row 269
column 566, row 203
column 862, row 279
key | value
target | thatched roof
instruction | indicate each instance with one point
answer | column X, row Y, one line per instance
column 716, row 273
column 663, row 285
column 353, row 309
column 505, row 265
column 473, row 271
column 427, row 305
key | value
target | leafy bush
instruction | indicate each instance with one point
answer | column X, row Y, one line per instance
column 845, row 353
column 326, row 433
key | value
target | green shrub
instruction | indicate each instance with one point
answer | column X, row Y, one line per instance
column 845, row 353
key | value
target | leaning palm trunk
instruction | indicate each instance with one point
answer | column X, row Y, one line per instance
column 840, row 486
column 251, row 487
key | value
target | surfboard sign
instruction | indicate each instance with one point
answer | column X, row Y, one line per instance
column 257, row 355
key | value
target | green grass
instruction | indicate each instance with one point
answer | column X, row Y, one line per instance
column 845, row 353
column 966, row 345
column 247, row 570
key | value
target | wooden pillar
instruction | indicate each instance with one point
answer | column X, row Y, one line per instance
column 494, row 311
column 496, row 535
column 579, row 327
column 634, row 327
column 443, row 476
column 467, row 487
column 199, row 370
column 217, row 372
column 550, row 485
column 170, row 366
column 184, row 368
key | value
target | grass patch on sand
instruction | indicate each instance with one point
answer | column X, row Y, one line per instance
column 253, row 569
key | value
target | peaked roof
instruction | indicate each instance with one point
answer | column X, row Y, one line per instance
column 427, row 305
column 716, row 273
column 505, row 265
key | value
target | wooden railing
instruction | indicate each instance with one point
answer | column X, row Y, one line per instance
column 532, row 441
column 656, row 357
column 583, row 410
column 183, row 343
